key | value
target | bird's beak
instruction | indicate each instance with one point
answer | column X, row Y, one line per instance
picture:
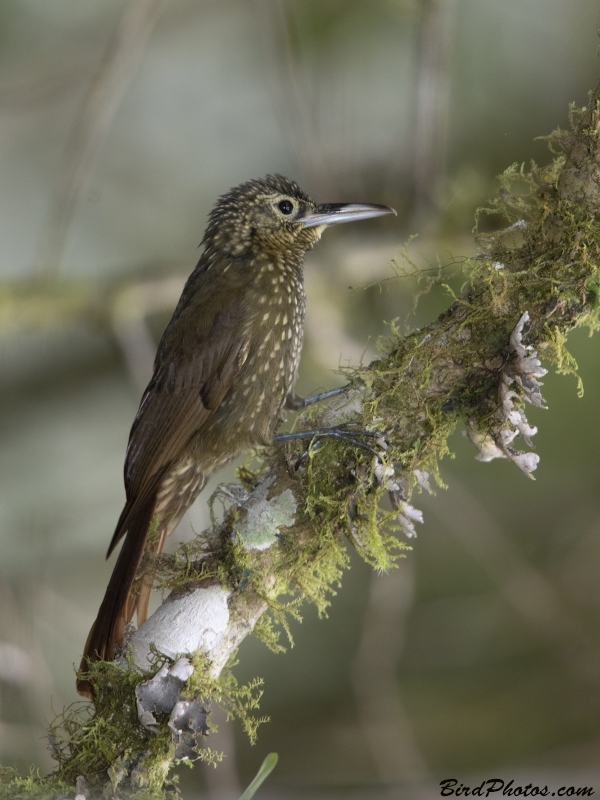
column 332, row 213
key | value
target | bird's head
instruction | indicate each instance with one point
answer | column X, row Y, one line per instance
column 273, row 214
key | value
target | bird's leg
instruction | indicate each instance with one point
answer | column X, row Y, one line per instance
column 294, row 402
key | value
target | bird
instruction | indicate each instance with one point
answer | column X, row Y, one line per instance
column 224, row 371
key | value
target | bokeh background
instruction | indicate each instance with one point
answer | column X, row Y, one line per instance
column 120, row 123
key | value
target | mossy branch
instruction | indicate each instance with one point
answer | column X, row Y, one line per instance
column 285, row 531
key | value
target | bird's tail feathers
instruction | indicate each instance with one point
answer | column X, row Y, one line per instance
column 141, row 600
column 117, row 608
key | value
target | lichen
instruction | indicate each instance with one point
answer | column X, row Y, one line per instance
column 519, row 382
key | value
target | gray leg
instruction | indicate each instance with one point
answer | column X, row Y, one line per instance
column 332, row 433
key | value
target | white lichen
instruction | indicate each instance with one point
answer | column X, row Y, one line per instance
column 519, row 381
column 520, row 225
column 387, row 478
column 263, row 517
column 423, row 480
column 407, row 516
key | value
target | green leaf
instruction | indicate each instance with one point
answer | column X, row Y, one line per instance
column 265, row 770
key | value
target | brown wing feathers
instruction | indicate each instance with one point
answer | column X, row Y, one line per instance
column 181, row 397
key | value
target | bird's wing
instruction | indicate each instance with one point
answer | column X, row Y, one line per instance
column 191, row 377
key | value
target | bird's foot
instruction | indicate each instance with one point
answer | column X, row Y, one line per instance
column 294, row 402
column 340, row 432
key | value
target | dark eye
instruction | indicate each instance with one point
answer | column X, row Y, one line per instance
column 286, row 207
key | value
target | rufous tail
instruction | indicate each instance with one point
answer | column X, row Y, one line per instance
column 119, row 601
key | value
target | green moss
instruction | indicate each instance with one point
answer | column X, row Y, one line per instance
column 32, row 787
column 107, row 741
column 237, row 701
column 266, row 630
column 88, row 741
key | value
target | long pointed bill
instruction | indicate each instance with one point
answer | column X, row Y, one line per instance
column 333, row 213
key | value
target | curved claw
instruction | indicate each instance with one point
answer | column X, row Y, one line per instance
column 303, row 456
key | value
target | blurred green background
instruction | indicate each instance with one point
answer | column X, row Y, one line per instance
column 120, row 124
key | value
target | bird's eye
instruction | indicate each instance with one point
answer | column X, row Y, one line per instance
column 286, row 207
